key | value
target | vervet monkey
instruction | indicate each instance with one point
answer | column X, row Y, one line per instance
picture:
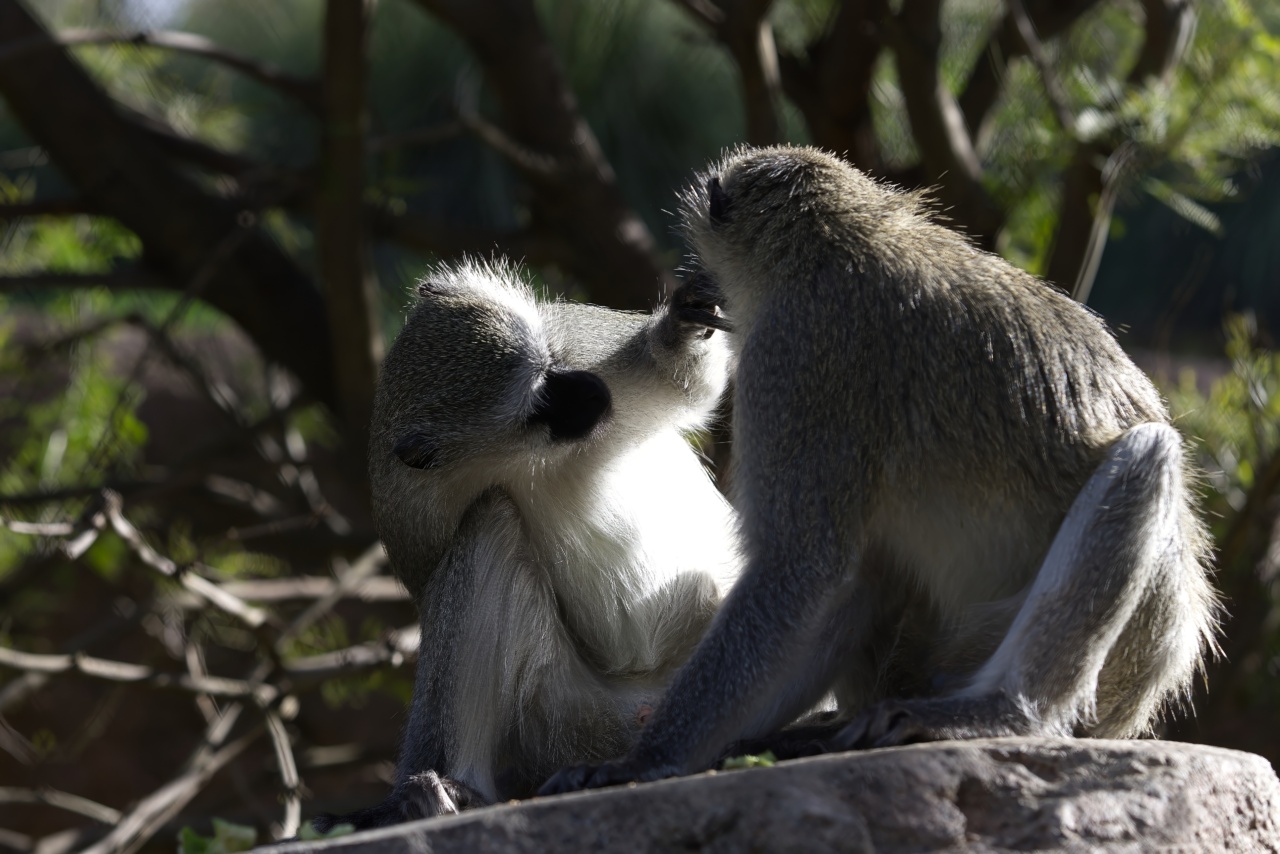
column 964, row 509
column 564, row 545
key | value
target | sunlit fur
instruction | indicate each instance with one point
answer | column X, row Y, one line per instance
column 559, row 582
column 964, row 509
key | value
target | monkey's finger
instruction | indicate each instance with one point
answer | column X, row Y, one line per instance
column 571, row 779
column 852, row 737
column 709, row 318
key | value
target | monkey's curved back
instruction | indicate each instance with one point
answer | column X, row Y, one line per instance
column 953, row 338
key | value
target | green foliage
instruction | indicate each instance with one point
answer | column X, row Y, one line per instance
column 307, row 832
column 761, row 760
column 1236, row 425
column 227, row 838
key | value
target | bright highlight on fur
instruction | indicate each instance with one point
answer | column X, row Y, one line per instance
column 964, row 508
column 536, row 495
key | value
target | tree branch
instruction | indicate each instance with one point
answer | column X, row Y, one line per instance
column 946, row 149
column 46, row 207
column 60, row 800
column 125, row 277
column 746, row 32
column 346, row 273
column 1100, row 167
column 1053, row 90
column 1049, row 18
column 137, row 674
column 611, row 249
column 304, row 90
column 449, row 240
column 150, row 814
column 397, row 649
column 123, row 173
column 1169, row 26
column 705, row 12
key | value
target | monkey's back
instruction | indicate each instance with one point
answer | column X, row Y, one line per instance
column 873, row 317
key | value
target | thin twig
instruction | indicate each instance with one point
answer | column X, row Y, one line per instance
column 121, row 671
column 150, row 814
column 704, row 12
column 120, row 279
column 398, row 648
column 38, row 529
column 61, row 800
column 1114, row 171
column 47, row 207
column 289, row 779
column 349, row 579
column 379, row 588
column 15, row 743
column 1040, row 59
column 207, row 590
column 533, row 163
column 305, row 90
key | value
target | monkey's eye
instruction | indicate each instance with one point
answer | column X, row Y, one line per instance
column 717, row 201
column 572, row 404
column 416, row 451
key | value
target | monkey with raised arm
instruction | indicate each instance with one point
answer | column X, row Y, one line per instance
column 565, row 547
column 964, row 508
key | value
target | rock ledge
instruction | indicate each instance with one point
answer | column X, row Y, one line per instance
column 997, row 794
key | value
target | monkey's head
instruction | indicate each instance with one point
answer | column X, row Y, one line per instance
column 779, row 211
column 471, row 381
column 486, row 386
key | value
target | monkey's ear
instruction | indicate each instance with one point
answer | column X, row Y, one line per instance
column 717, row 201
column 416, row 451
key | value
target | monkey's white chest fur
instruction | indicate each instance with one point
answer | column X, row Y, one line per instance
column 625, row 545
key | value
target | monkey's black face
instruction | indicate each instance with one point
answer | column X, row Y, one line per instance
column 572, row 404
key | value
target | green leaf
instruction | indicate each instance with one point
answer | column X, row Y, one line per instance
column 759, row 760
column 309, row 832
column 227, row 838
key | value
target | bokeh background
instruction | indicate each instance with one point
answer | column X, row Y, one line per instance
column 211, row 212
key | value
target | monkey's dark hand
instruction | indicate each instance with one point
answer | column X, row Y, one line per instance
column 696, row 305
column 896, row 722
column 424, row 795
column 616, row 773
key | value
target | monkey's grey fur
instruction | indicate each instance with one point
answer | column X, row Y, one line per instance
column 956, row 490
column 564, row 544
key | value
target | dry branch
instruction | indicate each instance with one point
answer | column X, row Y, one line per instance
column 345, row 266
column 612, row 251
column 947, row 151
column 142, row 822
column 1053, row 90
column 121, row 671
column 398, row 648
column 301, row 88
column 1048, row 18
column 61, row 800
column 119, row 170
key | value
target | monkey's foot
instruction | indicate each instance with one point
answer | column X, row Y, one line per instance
column 895, row 722
column 617, row 773
column 425, row 795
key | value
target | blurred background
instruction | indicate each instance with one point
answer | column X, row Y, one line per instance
column 211, row 212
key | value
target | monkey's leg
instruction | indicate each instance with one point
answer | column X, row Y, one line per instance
column 1122, row 551
column 499, row 684
column 767, row 658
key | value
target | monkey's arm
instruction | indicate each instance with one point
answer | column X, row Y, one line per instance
column 501, row 696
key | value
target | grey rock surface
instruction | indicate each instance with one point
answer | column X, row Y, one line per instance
column 992, row 795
